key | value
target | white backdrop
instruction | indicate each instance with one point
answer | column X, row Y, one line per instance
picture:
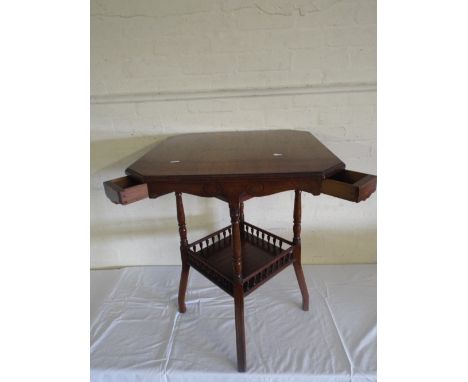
column 138, row 334
column 162, row 68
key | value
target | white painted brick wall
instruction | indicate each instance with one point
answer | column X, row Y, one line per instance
column 152, row 49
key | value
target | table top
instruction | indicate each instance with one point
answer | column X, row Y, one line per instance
column 237, row 166
column 240, row 153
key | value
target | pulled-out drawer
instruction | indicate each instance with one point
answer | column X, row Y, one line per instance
column 125, row 190
column 350, row 185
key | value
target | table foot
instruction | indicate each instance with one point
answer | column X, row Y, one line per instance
column 183, row 287
column 302, row 286
column 240, row 329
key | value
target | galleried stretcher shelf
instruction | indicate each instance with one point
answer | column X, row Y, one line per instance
column 234, row 167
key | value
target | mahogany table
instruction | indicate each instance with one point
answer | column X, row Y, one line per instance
column 234, row 167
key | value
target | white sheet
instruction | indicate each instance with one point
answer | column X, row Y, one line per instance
column 138, row 335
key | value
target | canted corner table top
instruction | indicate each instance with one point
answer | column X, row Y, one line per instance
column 244, row 153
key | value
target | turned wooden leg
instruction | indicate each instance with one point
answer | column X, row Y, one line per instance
column 241, row 219
column 183, row 252
column 238, row 289
column 297, row 251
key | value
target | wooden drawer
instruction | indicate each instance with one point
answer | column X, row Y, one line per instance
column 125, row 190
column 350, row 185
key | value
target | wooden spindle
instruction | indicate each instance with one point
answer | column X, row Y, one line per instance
column 234, row 207
column 183, row 252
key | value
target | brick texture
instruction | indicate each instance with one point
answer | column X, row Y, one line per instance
column 178, row 46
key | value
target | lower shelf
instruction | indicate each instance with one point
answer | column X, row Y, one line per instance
column 263, row 255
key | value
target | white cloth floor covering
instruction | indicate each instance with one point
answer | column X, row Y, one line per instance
column 137, row 334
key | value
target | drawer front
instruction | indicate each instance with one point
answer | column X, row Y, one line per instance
column 350, row 185
column 125, row 190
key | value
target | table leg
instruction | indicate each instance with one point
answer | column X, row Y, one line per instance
column 183, row 252
column 238, row 289
column 297, row 251
column 241, row 219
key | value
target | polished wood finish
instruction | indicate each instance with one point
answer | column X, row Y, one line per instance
column 235, row 167
column 125, row 190
column 226, row 154
column 183, row 252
